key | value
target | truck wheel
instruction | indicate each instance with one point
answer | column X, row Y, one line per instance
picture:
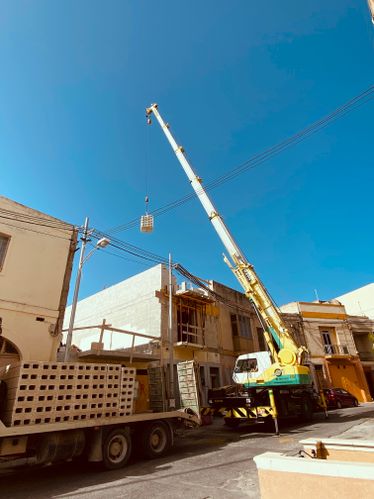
column 155, row 439
column 232, row 422
column 116, row 449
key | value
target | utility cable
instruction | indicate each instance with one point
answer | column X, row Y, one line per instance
column 259, row 158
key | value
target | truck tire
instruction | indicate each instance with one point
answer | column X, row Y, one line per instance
column 116, row 448
column 155, row 439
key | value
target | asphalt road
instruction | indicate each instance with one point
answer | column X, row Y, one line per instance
column 210, row 462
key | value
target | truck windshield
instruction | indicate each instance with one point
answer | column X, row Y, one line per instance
column 246, row 365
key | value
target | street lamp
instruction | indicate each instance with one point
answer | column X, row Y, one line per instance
column 101, row 243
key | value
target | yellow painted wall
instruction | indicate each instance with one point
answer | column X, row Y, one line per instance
column 347, row 375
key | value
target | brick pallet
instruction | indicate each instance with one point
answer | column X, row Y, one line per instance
column 51, row 392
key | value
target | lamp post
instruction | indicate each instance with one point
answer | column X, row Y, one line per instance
column 82, row 260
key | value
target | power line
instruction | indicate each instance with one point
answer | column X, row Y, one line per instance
column 33, row 219
column 129, row 248
column 37, row 231
column 146, row 255
column 258, row 159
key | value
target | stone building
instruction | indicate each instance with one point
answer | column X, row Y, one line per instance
column 36, row 255
column 330, row 335
column 212, row 332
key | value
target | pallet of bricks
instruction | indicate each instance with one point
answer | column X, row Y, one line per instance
column 53, row 392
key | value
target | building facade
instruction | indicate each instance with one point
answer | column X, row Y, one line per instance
column 328, row 332
column 360, row 301
column 36, row 255
column 209, row 331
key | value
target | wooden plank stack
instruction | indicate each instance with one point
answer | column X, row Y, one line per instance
column 53, row 392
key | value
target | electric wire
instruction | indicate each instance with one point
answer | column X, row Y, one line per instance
column 37, row 231
column 33, row 219
column 157, row 259
column 259, row 158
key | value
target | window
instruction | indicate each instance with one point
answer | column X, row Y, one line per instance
column 234, row 325
column 329, row 340
column 245, row 326
column 241, row 326
column 4, row 243
column 246, row 365
column 190, row 322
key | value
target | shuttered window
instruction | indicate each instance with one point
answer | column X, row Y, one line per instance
column 4, row 243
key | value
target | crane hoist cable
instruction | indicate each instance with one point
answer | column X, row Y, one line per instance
column 146, row 220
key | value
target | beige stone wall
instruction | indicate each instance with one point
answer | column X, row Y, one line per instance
column 312, row 330
column 278, row 485
column 243, row 307
column 283, row 477
column 34, row 280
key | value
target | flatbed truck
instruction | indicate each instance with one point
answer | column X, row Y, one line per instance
column 52, row 418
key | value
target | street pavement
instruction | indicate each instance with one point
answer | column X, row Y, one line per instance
column 211, row 462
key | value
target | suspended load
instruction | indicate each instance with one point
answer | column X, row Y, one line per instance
column 371, row 8
column 146, row 221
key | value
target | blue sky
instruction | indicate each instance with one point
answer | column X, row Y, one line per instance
column 232, row 78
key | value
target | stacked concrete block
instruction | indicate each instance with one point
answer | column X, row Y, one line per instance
column 127, row 392
column 54, row 392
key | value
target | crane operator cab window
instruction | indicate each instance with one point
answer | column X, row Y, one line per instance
column 246, row 366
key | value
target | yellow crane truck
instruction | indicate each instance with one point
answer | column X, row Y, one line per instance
column 272, row 384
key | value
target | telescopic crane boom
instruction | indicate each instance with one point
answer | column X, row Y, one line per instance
column 287, row 356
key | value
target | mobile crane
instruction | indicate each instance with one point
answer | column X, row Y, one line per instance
column 271, row 384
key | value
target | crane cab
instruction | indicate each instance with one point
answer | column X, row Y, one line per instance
column 250, row 365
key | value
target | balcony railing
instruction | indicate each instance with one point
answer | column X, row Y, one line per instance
column 336, row 349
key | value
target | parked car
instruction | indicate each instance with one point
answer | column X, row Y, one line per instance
column 338, row 398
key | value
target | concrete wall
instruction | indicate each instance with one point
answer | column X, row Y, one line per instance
column 284, row 476
column 241, row 306
column 314, row 317
column 132, row 304
column 34, row 280
column 359, row 301
column 141, row 304
column 313, row 328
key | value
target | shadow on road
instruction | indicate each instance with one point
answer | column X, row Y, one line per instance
column 77, row 479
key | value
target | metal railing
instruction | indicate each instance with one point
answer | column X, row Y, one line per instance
column 336, row 349
column 104, row 327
